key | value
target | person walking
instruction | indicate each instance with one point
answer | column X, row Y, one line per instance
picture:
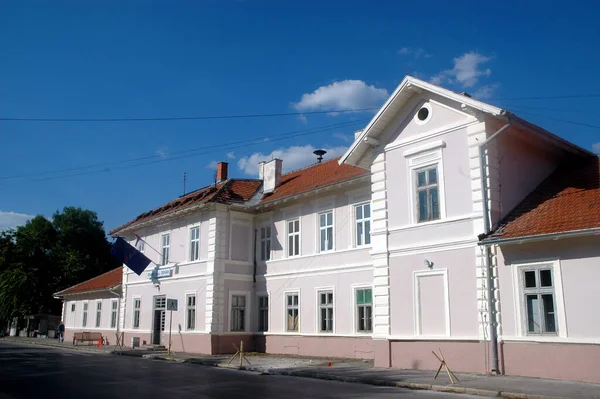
column 61, row 331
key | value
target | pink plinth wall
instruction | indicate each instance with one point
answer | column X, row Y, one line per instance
column 575, row 362
column 108, row 334
column 348, row 347
column 461, row 356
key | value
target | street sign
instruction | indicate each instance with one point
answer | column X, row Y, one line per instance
column 152, row 274
column 172, row 304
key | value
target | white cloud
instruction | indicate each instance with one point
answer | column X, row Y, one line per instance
column 343, row 95
column 230, row 155
column 10, row 220
column 485, row 92
column 212, row 165
column 344, row 137
column 596, row 148
column 294, row 157
column 468, row 68
column 416, row 53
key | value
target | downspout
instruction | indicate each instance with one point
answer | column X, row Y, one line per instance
column 118, row 310
column 254, row 258
column 488, row 256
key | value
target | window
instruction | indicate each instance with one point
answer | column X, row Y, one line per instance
column 113, row 314
column 293, row 230
column 364, row 310
column 72, row 307
column 428, row 196
column 85, row 309
column 292, row 312
column 326, row 311
column 265, row 243
column 263, row 313
column 191, row 312
column 238, row 312
column 194, row 243
column 166, row 245
column 362, row 214
column 137, row 304
column 98, row 313
column 326, row 231
column 423, row 115
column 538, row 291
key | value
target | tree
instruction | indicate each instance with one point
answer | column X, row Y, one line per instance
column 43, row 257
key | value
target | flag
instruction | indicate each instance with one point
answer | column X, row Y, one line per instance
column 134, row 259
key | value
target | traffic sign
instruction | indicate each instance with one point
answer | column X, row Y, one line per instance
column 172, row 304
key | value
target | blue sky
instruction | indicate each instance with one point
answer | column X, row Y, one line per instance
column 142, row 59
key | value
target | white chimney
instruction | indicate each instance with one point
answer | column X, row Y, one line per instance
column 261, row 170
column 271, row 174
column 357, row 133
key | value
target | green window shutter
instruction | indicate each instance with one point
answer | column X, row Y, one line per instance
column 369, row 296
column 360, row 297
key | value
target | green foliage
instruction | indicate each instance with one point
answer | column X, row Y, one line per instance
column 44, row 257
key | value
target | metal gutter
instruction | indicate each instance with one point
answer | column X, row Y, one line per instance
column 541, row 237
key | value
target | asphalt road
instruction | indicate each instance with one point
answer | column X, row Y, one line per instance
column 28, row 371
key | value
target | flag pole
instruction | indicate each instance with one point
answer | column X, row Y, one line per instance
column 149, row 246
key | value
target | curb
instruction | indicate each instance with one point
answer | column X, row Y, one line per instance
column 51, row 345
column 357, row 380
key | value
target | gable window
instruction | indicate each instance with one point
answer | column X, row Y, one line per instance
column 137, row 305
column 113, row 314
column 194, row 243
column 166, row 246
column 263, row 313
column 265, row 243
column 326, row 230
column 85, row 311
column 326, row 311
column 362, row 215
column 98, row 313
column 191, row 312
column 364, row 310
column 238, row 312
column 292, row 308
column 428, row 196
column 537, row 286
column 139, row 245
column 293, row 230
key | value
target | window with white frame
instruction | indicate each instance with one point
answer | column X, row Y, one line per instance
column 362, row 216
column 293, row 231
column 428, row 194
column 98, row 313
column 137, row 305
column 364, row 310
column 190, row 300
column 265, row 243
column 326, row 231
column 292, row 312
column 85, row 311
column 263, row 313
column 139, row 245
column 113, row 314
column 194, row 243
column 326, row 311
column 72, row 307
column 539, row 305
column 238, row 312
column 166, row 246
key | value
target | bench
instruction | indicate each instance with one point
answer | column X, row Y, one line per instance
column 87, row 337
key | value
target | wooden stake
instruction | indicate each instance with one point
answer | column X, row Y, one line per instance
column 239, row 351
column 445, row 365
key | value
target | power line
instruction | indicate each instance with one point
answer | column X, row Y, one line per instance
column 182, row 118
column 192, row 153
column 546, row 97
column 263, row 139
column 556, row 119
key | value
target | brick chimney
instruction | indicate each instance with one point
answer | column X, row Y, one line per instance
column 222, row 171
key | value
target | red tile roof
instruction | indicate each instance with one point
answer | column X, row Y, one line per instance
column 241, row 190
column 104, row 281
column 312, row 177
column 568, row 200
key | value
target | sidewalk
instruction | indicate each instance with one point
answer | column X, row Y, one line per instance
column 361, row 371
column 53, row 342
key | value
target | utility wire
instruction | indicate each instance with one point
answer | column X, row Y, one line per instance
column 240, row 144
column 555, row 119
column 182, row 118
column 257, row 140
column 546, row 97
